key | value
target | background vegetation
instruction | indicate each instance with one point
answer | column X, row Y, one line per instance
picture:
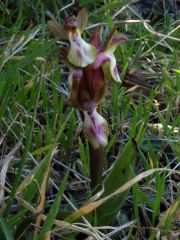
column 44, row 158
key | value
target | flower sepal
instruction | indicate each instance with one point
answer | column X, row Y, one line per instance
column 105, row 56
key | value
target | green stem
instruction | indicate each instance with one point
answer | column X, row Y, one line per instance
column 96, row 166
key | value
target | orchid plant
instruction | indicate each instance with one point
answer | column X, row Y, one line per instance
column 90, row 66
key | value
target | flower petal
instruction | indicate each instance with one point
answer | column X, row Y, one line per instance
column 108, row 62
column 73, row 81
column 82, row 19
column 95, row 83
column 57, row 29
column 89, row 106
column 81, row 53
column 117, row 39
column 113, row 41
column 95, row 128
column 113, row 68
column 80, row 93
column 96, row 39
column 71, row 23
column 100, row 58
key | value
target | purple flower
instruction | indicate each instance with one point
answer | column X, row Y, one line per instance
column 95, row 128
column 87, row 87
column 80, row 53
column 105, row 56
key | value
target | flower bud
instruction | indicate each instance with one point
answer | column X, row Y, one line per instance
column 95, row 128
column 87, row 87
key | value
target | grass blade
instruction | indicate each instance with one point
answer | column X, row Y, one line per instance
column 24, row 156
column 5, row 230
column 54, row 209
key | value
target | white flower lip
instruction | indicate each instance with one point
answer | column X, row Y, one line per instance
column 81, row 53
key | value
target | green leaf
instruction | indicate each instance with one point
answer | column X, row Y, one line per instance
column 25, row 153
column 176, row 70
column 160, row 187
column 92, row 205
column 4, row 227
column 45, row 162
column 113, row 196
column 84, row 157
column 167, row 219
column 42, row 150
column 35, row 177
column 119, row 175
column 53, row 210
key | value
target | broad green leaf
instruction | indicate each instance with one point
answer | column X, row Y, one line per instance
column 53, row 210
column 92, row 205
column 120, row 174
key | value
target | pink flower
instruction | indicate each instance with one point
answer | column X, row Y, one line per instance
column 87, row 87
column 80, row 53
column 95, row 128
column 105, row 56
